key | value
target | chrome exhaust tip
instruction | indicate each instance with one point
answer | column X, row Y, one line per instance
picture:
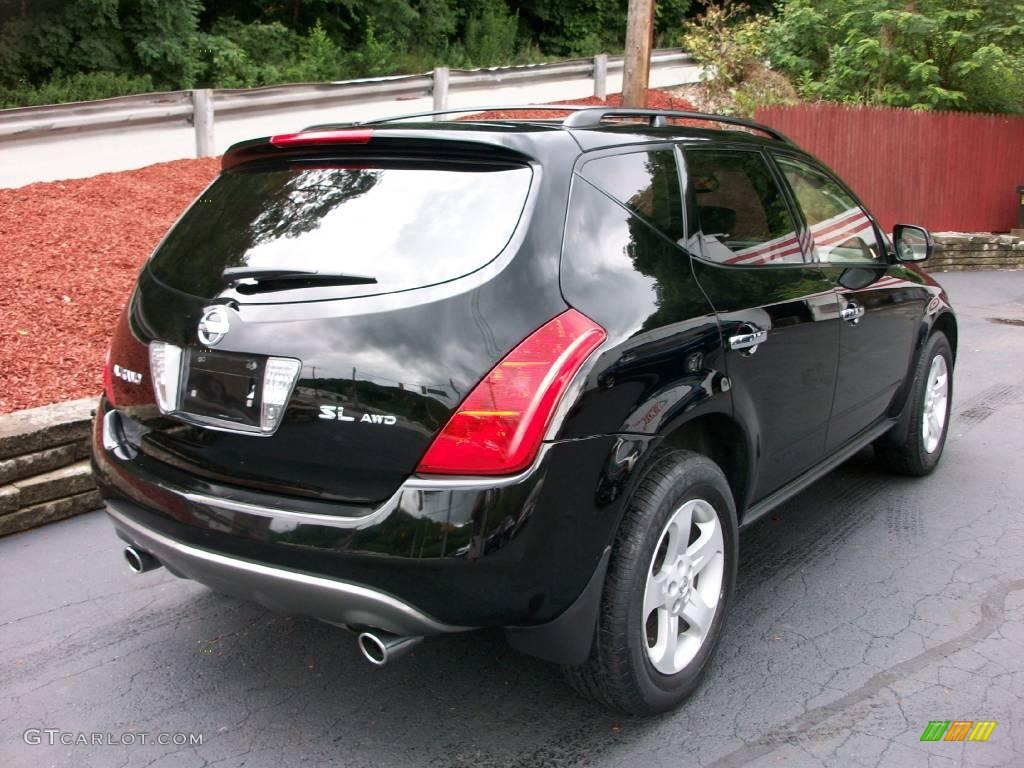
column 140, row 561
column 381, row 647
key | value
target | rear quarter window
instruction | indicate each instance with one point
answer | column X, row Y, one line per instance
column 622, row 263
column 647, row 183
column 407, row 225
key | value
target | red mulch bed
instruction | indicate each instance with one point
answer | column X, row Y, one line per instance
column 71, row 252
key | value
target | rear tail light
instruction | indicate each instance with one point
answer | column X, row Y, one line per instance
column 313, row 138
column 278, row 381
column 165, row 368
column 499, row 426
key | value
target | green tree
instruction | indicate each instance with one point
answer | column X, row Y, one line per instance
column 924, row 54
column 490, row 34
column 586, row 27
column 56, row 50
column 728, row 41
column 97, row 42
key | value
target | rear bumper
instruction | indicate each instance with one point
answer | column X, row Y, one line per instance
column 438, row 556
column 278, row 589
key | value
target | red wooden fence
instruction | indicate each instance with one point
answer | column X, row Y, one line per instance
column 943, row 170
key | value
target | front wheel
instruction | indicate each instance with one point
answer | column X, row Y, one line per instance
column 914, row 447
column 669, row 582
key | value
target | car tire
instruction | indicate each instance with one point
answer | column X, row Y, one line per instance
column 915, row 445
column 633, row 666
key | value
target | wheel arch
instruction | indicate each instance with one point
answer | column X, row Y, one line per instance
column 943, row 320
column 946, row 323
column 714, row 434
column 722, row 439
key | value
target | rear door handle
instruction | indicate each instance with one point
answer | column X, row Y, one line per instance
column 748, row 341
column 852, row 313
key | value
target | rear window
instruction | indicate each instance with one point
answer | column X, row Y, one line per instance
column 406, row 225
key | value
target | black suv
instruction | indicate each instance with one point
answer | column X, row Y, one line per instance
column 417, row 377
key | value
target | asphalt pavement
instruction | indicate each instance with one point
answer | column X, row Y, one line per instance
column 866, row 607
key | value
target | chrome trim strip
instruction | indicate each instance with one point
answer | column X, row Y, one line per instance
column 335, row 521
column 575, row 388
column 218, row 425
column 363, row 598
column 414, row 483
column 482, row 482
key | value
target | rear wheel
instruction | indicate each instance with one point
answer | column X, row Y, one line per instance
column 669, row 582
column 915, row 446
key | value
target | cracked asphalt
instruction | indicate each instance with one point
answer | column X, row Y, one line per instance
column 866, row 607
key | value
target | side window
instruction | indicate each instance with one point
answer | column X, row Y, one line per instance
column 647, row 183
column 744, row 218
column 619, row 267
column 841, row 231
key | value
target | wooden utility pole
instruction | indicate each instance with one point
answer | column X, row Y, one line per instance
column 637, row 61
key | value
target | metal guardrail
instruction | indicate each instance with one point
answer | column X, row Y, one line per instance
column 200, row 107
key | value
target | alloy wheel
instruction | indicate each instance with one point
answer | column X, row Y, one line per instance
column 684, row 586
column 936, row 395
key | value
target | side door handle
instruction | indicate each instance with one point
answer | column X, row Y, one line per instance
column 749, row 341
column 852, row 313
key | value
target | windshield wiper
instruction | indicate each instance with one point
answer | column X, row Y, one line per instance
column 250, row 280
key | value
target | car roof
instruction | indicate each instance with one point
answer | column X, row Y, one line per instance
column 614, row 122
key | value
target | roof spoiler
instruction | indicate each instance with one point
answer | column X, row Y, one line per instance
column 360, row 145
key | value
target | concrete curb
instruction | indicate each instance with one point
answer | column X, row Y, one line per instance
column 44, row 471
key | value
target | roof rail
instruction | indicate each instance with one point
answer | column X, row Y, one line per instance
column 593, row 116
column 472, row 110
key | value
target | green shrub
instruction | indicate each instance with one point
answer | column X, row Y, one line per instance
column 319, row 58
column 84, row 86
column 729, row 43
column 376, row 56
column 240, row 55
column 491, row 33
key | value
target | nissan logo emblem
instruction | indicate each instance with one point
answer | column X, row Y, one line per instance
column 213, row 326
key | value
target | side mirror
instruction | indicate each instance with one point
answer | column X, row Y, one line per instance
column 912, row 243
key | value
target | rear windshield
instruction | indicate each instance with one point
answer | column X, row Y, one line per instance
column 405, row 225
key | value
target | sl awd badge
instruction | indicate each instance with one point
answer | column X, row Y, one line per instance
column 337, row 413
column 213, row 326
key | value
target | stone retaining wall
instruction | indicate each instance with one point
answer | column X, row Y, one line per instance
column 957, row 252
column 44, row 466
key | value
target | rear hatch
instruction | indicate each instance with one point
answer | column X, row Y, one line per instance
column 313, row 320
